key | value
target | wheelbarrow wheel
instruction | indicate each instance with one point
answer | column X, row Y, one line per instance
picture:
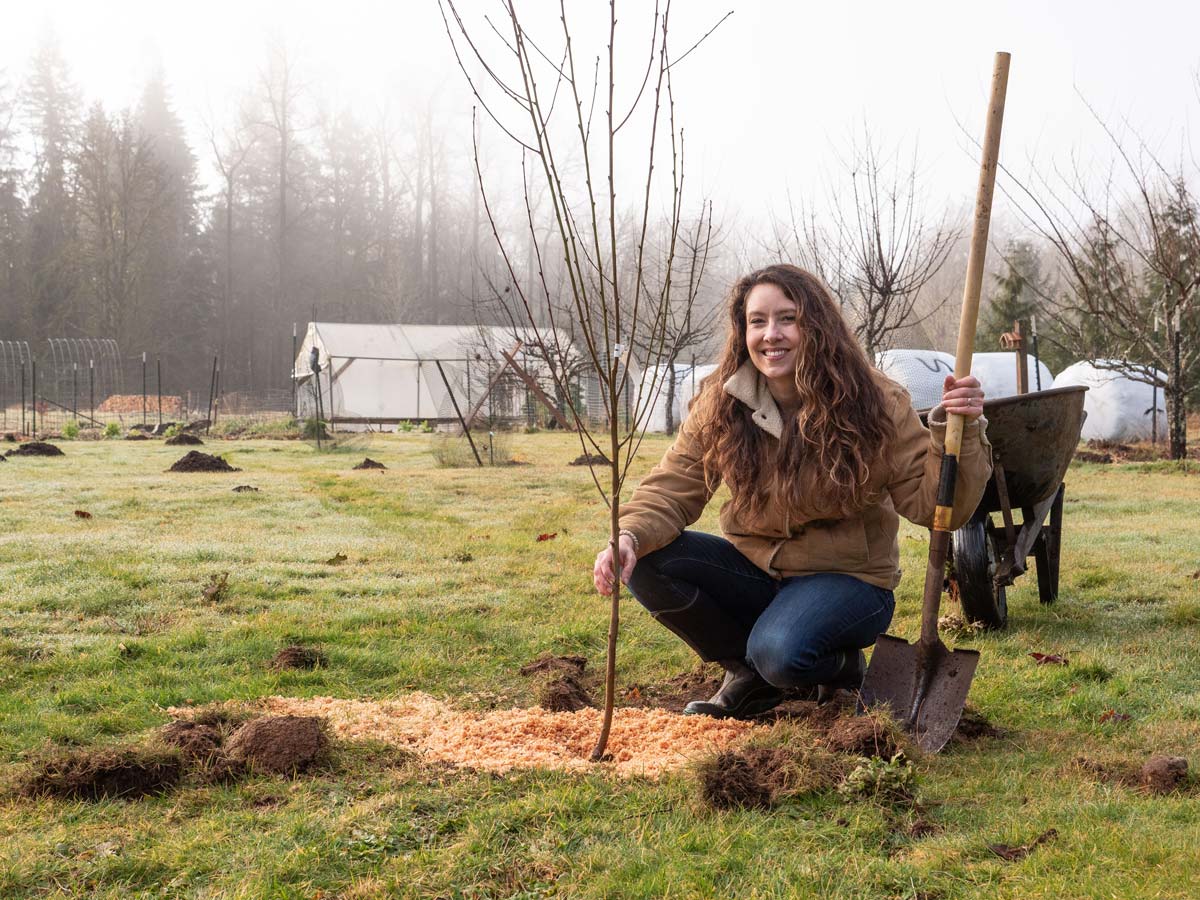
column 975, row 555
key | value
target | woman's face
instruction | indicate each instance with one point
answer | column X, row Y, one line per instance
column 772, row 333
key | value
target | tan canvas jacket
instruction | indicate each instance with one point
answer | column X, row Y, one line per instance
column 801, row 541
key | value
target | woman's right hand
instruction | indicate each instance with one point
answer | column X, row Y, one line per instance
column 602, row 573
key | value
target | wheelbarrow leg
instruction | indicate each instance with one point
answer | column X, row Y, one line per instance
column 1047, row 549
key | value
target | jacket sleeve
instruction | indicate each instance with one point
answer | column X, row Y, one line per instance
column 917, row 462
column 672, row 496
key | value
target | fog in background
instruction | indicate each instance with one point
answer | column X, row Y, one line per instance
column 271, row 163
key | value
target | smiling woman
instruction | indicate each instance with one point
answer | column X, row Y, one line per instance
column 821, row 453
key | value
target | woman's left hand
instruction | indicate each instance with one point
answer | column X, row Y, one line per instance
column 963, row 397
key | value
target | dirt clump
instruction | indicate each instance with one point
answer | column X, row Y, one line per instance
column 296, row 656
column 974, row 726
column 548, row 663
column 111, row 772
column 195, row 461
column 35, row 448
column 589, row 459
column 280, row 745
column 194, row 740
column 862, row 736
column 245, row 489
column 564, row 693
column 1164, row 774
column 183, row 439
column 762, row 776
column 136, row 436
column 369, row 463
column 730, row 780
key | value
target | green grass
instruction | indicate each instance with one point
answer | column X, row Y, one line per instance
column 445, row 589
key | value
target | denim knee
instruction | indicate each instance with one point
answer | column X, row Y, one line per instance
column 780, row 661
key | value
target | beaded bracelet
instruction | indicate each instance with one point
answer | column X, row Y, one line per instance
column 633, row 537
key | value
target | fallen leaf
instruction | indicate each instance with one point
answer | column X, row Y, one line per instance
column 336, row 560
column 215, row 587
column 1196, row 574
column 82, row 514
column 1048, row 659
column 1012, row 854
column 547, row 537
column 1111, row 715
column 633, row 694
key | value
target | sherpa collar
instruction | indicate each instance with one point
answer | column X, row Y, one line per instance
column 748, row 386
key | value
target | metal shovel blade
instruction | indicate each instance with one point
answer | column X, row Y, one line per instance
column 925, row 687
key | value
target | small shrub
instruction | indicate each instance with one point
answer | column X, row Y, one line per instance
column 173, row 430
column 888, row 781
column 314, row 428
column 112, row 430
column 70, row 430
column 425, row 427
column 406, row 427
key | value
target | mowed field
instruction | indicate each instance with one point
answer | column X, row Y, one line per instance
column 446, row 589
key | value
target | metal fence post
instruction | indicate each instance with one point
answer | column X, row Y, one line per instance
column 158, row 384
column 92, row 388
column 33, row 399
column 143, row 387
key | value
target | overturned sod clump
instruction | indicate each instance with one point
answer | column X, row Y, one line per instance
column 194, row 740
column 35, row 448
column 1164, row 774
column 245, row 489
column 782, row 763
column 589, row 459
column 974, row 726
column 869, row 735
column 183, row 439
column 562, row 688
column 195, row 461
column 369, row 463
column 279, row 745
column 296, row 656
column 106, row 773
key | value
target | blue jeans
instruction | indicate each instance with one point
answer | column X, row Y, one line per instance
column 796, row 632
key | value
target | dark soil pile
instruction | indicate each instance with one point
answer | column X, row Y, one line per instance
column 296, row 656
column 730, row 780
column 1164, row 774
column 282, row 745
column 195, row 427
column 548, row 663
column 35, row 448
column 369, row 463
column 195, row 461
column 589, row 459
column 760, row 777
column 862, row 736
column 974, row 726
column 136, row 436
column 245, row 489
column 126, row 772
column 564, row 693
column 183, row 439
column 194, row 740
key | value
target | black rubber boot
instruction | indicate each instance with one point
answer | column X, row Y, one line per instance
column 743, row 694
column 849, row 678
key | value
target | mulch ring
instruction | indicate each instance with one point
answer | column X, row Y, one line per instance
column 297, row 656
column 195, row 461
column 207, row 751
column 183, row 439
column 369, row 463
column 564, row 686
column 35, row 448
column 589, row 459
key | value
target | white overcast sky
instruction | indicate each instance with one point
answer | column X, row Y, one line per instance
column 765, row 101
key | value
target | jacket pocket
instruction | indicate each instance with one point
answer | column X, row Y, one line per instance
column 827, row 546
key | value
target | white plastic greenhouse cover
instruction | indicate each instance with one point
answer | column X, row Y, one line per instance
column 686, row 382
column 997, row 372
column 689, row 386
column 1118, row 407
column 920, row 372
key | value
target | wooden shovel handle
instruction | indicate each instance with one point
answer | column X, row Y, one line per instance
column 979, row 239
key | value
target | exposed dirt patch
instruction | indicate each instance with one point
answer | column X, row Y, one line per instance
column 111, row 772
column 369, row 463
column 974, row 726
column 195, row 461
column 1092, row 456
column 183, row 439
column 701, row 683
column 564, row 693
column 194, row 740
column 863, row 736
column 136, row 436
column 296, row 656
column 1108, row 771
column 548, row 663
column 281, row 745
column 35, row 448
column 1164, row 774
column 1009, row 853
column 589, row 459
column 245, row 489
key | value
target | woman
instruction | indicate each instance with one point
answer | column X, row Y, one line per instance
column 820, row 452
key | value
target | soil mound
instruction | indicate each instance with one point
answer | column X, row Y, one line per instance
column 136, row 436
column 195, row 461
column 194, row 740
column 730, row 780
column 245, row 489
column 296, row 656
column 974, row 726
column 183, row 439
column 564, row 693
column 1164, row 774
column 589, row 459
column 369, row 463
column 35, row 448
column 281, row 745
column 862, row 736
column 125, row 772
column 548, row 663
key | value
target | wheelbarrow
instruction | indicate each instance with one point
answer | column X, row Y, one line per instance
column 1033, row 438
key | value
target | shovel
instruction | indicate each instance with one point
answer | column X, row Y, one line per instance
column 925, row 684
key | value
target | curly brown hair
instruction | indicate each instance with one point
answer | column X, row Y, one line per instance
column 829, row 443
